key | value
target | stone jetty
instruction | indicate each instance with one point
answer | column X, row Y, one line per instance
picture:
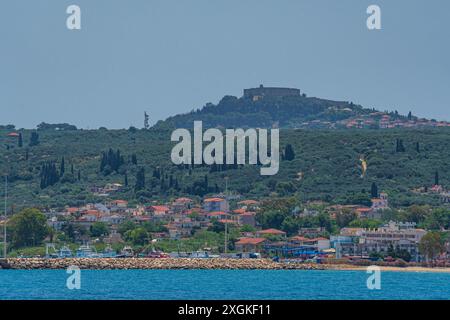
column 147, row 263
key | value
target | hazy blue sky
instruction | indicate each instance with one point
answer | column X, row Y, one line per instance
column 168, row 56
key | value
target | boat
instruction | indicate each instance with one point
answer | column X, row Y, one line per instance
column 109, row 252
column 158, row 255
column 127, row 252
column 64, row 252
column 86, row 251
column 50, row 251
column 179, row 255
column 199, row 254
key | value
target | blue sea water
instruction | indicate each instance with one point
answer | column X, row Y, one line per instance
column 221, row 284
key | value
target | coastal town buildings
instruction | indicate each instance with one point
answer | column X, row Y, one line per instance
column 216, row 204
column 363, row 242
column 181, row 218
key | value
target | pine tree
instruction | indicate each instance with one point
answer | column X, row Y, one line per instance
column 417, row 147
column 126, row 180
column 436, row 178
column 79, row 175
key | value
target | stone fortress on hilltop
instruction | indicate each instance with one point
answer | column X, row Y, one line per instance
column 258, row 93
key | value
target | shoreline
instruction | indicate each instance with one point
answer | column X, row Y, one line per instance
column 187, row 264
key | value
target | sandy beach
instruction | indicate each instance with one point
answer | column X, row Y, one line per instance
column 394, row 269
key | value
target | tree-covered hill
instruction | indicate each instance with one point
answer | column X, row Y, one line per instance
column 319, row 165
column 289, row 112
column 285, row 112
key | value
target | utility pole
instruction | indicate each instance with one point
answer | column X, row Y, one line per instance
column 5, row 216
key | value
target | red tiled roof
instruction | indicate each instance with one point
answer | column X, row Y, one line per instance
column 299, row 238
column 92, row 212
column 271, row 231
column 227, row 221
column 239, row 211
column 318, row 239
column 13, row 134
column 216, row 213
column 247, row 214
column 159, row 208
column 254, row 241
column 120, row 201
column 213, row 200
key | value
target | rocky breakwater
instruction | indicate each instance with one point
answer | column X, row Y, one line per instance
column 146, row 263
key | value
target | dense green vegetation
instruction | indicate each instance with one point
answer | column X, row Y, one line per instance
column 317, row 165
column 282, row 213
column 285, row 112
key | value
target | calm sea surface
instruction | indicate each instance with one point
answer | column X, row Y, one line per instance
column 221, row 284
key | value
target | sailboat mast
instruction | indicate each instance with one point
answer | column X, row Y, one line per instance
column 4, row 221
column 226, row 236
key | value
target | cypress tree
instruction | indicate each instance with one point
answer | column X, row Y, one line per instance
column 20, row 142
column 49, row 175
column 399, row 146
column 62, row 168
column 34, row 139
column 140, row 180
column 111, row 159
column 289, row 153
column 134, row 159
column 436, row 178
column 374, row 190
column 410, row 115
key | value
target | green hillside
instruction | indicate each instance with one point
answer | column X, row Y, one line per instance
column 326, row 166
column 285, row 112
